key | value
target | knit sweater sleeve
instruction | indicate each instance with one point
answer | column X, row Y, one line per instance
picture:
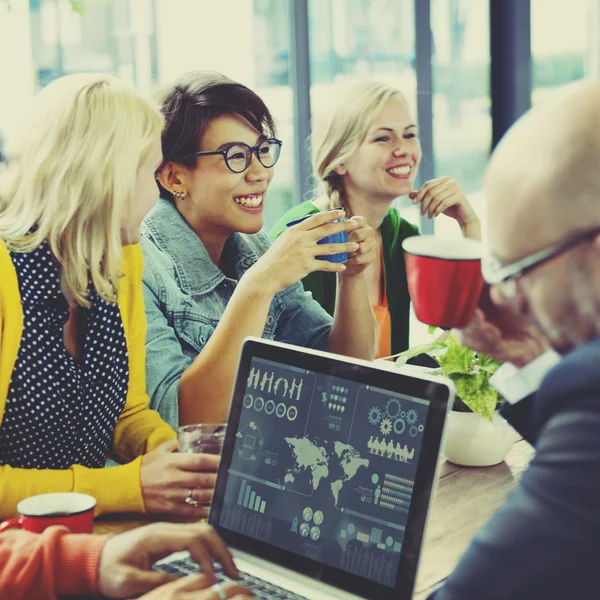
column 44, row 566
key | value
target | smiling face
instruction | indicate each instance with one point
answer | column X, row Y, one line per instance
column 219, row 200
column 385, row 164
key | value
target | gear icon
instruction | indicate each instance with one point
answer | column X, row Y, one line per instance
column 411, row 416
column 393, row 408
column 399, row 426
column 386, row 426
column 413, row 431
column 374, row 416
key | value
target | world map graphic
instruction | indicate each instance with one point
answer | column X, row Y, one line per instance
column 335, row 463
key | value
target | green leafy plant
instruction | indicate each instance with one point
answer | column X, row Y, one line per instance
column 469, row 371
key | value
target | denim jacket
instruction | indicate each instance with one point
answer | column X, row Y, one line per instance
column 185, row 295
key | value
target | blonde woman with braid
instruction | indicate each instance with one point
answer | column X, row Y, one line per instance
column 366, row 153
column 78, row 182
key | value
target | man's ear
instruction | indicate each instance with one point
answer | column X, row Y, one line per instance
column 171, row 176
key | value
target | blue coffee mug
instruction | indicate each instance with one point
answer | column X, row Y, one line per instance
column 336, row 238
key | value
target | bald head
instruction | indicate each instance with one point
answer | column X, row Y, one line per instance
column 543, row 181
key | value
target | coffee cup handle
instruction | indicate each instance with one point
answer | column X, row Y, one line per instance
column 10, row 523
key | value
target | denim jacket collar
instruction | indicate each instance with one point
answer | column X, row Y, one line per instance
column 195, row 269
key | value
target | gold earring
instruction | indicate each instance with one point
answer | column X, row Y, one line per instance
column 180, row 195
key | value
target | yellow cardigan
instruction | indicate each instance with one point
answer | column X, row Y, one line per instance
column 138, row 428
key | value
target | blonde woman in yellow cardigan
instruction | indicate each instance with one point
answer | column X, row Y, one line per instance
column 79, row 180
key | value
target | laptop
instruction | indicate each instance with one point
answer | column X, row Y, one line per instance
column 326, row 475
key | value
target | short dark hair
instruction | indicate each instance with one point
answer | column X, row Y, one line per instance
column 193, row 101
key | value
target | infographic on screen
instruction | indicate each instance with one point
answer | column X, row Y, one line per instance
column 324, row 467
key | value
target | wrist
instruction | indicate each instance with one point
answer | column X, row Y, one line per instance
column 528, row 358
column 256, row 285
column 469, row 219
column 471, row 228
column 350, row 277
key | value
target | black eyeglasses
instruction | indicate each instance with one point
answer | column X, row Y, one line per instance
column 494, row 273
column 239, row 156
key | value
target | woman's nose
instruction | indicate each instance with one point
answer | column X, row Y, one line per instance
column 256, row 171
column 399, row 151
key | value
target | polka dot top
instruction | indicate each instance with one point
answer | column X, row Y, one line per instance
column 60, row 412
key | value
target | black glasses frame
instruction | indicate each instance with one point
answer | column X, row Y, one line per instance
column 494, row 273
column 252, row 150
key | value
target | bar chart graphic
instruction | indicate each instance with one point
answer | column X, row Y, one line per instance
column 248, row 498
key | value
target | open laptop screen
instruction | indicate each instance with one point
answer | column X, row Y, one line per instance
column 324, row 465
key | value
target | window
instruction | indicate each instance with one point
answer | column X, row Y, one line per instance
column 252, row 48
column 109, row 36
column 15, row 42
column 359, row 38
column 462, row 124
column 143, row 41
column 564, row 43
column 271, row 52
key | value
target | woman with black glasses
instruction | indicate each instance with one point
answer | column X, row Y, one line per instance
column 211, row 277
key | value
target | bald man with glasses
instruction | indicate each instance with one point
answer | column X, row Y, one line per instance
column 542, row 315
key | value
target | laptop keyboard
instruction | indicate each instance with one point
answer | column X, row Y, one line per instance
column 259, row 587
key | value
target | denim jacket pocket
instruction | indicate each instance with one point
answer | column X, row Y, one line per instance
column 193, row 328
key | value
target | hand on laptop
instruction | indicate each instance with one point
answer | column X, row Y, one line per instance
column 125, row 568
column 196, row 587
column 169, row 477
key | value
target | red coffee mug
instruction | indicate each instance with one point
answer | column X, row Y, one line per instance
column 73, row 510
column 444, row 279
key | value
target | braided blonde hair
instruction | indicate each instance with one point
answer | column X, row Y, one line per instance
column 340, row 130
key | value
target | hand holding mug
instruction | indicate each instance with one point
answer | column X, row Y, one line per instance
column 296, row 252
column 500, row 332
column 176, row 483
column 125, row 567
column 368, row 245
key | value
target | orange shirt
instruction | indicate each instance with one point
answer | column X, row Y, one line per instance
column 382, row 316
column 44, row 566
column 384, row 328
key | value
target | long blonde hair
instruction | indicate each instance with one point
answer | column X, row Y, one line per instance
column 340, row 130
column 71, row 176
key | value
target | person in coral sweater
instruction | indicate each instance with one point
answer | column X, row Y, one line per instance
column 57, row 563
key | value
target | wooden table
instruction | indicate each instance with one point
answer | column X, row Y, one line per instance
column 465, row 499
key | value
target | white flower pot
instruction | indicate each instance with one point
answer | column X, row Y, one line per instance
column 473, row 441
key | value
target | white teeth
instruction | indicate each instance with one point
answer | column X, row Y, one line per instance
column 399, row 170
column 251, row 201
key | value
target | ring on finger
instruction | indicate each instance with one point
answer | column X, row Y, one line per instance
column 189, row 500
column 219, row 590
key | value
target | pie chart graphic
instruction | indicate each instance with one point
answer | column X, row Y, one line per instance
column 307, row 514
